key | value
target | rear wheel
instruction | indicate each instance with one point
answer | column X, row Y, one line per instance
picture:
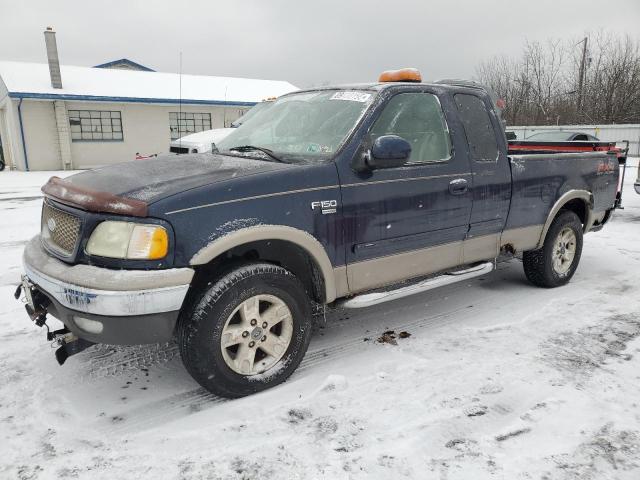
column 555, row 263
column 247, row 332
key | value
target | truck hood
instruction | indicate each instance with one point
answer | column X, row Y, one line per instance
column 150, row 180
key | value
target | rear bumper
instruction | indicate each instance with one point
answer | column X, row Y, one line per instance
column 122, row 306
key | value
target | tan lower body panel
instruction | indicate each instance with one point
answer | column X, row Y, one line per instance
column 382, row 271
column 595, row 218
column 522, row 239
column 342, row 285
column 481, row 248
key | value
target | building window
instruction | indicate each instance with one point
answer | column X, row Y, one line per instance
column 189, row 123
column 95, row 125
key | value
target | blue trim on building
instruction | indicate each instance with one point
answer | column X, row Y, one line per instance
column 96, row 98
column 126, row 61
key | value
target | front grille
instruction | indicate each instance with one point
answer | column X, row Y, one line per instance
column 178, row 149
column 59, row 229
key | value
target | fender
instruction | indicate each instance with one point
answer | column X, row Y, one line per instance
column 273, row 232
column 583, row 195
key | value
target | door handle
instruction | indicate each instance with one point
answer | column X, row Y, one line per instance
column 458, row 186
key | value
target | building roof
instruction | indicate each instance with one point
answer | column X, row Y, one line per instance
column 125, row 63
column 32, row 80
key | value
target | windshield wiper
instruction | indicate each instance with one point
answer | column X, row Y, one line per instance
column 251, row 148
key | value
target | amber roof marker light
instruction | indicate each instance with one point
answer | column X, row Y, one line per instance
column 402, row 75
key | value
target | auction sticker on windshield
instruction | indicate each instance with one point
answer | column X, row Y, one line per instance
column 351, row 96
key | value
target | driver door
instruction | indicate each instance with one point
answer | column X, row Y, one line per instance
column 407, row 221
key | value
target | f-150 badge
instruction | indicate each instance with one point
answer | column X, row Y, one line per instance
column 327, row 206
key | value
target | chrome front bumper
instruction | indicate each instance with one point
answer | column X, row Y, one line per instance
column 102, row 291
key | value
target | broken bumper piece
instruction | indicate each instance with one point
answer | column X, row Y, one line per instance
column 70, row 345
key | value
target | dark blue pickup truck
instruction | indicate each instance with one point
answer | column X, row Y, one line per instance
column 328, row 196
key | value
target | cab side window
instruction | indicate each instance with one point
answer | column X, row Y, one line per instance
column 477, row 127
column 418, row 118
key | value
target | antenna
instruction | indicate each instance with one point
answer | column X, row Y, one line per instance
column 180, row 101
column 224, row 110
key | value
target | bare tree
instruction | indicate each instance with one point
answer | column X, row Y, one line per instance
column 541, row 86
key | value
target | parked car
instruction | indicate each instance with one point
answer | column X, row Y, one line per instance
column 201, row 142
column 562, row 136
column 329, row 194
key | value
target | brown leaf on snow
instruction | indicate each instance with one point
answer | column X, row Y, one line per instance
column 390, row 337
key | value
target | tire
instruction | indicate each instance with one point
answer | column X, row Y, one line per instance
column 2, row 165
column 552, row 265
column 228, row 307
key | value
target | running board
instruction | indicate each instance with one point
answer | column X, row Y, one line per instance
column 369, row 299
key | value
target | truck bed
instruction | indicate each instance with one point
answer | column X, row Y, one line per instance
column 539, row 180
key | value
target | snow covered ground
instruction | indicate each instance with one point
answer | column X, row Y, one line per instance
column 498, row 380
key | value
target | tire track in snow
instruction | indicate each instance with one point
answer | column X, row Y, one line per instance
column 182, row 404
column 179, row 405
column 110, row 361
column 104, row 361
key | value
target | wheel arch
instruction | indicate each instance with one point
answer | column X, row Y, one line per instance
column 285, row 245
column 578, row 201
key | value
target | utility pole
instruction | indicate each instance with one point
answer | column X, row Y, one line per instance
column 581, row 74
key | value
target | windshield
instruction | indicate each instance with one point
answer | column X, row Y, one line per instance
column 258, row 107
column 303, row 126
column 550, row 136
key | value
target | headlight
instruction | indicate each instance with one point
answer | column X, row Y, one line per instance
column 128, row 240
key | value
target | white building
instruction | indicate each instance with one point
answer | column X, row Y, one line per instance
column 56, row 117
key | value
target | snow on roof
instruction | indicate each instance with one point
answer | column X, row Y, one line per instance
column 32, row 80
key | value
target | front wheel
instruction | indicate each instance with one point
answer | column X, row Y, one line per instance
column 247, row 332
column 555, row 263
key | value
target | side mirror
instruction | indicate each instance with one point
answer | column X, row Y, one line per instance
column 389, row 151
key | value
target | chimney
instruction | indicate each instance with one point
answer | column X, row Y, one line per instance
column 52, row 57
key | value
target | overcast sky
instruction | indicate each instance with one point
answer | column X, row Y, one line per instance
column 304, row 42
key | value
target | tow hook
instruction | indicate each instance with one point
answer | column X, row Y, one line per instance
column 36, row 306
column 36, row 302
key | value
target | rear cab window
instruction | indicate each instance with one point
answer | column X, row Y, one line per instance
column 478, row 128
